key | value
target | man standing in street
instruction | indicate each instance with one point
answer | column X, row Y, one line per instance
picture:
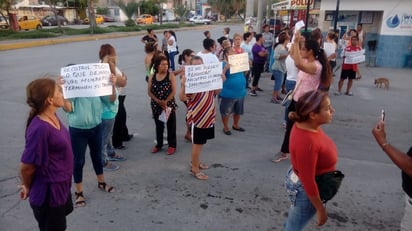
column 259, row 58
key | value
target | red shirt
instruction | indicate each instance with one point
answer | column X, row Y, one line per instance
column 353, row 67
column 311, row 154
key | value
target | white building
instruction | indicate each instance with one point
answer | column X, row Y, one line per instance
column 387, row 22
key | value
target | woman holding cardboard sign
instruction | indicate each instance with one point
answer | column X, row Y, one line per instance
column 231, row 98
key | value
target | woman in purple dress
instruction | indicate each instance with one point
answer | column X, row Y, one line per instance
column 46, row 164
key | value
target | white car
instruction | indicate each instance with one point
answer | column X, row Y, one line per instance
column 199, row 20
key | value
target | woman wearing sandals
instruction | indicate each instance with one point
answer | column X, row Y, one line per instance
column 46, row 165
column 85, row 126
column 201, row 115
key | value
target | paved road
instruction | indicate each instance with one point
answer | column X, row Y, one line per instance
column 245, row 190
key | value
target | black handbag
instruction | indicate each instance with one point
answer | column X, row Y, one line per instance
column 328, row 184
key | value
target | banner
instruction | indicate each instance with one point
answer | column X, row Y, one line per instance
column 86, row 80
column 200, row 78
column 238, row 63
column 354, row 57
column 300, row 4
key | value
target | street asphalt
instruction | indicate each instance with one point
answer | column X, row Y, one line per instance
column 245, row 189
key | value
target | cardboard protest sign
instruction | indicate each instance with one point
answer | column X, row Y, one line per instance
column 354, row 57
column 238, row 63
column 205, row 77
column 86, row 80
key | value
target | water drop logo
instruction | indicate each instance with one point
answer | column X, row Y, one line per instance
column 393, row 21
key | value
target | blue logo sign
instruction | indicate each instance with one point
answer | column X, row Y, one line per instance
column 393, row 21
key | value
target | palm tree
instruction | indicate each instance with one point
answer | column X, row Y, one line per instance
column 181, row 11
column 129, row 9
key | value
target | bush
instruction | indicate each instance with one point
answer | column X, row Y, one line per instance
column 129, row 23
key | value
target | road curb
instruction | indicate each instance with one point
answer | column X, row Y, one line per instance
column 70, row 39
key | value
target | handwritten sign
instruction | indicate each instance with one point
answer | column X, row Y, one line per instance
column 354, row 57
column 238, row 63
column 86, row 80
column 200, row 78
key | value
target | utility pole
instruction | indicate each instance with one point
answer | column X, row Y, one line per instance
column 335, row 23
column 259, row 17
column 249, row 8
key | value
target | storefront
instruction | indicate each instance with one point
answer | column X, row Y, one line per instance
column 389, row 23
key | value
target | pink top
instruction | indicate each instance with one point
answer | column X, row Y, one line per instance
column 308, row 82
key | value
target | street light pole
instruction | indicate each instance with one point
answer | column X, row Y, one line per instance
column 307, row 15
column 335, row 23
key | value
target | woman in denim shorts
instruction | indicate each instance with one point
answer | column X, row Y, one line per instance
column 231, row 98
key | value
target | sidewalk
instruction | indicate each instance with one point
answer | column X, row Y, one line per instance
column 27, row 43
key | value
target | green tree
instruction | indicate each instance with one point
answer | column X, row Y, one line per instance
column 228, row 8
column 129, row 9
column 52, row 4
column 5, row 6
column 149, row 7
column 181, row 11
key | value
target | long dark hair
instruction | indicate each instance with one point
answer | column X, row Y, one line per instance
column 186, row 52
column 319, row 53
column 37, row 93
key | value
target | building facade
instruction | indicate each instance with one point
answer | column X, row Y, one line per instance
column 389, row 23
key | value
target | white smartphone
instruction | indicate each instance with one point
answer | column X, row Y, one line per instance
column 383, row 115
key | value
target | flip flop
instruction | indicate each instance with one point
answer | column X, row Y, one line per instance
column 199, row 175
column 202, row 166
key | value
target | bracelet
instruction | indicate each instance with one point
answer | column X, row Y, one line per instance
column 384, row 144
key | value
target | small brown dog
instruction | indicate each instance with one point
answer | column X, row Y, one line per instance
column 382, row 81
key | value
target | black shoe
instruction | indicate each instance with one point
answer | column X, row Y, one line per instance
column 129, row 137
column 121, row 147
column 259, row 89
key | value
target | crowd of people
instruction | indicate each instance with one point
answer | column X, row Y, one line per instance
column 302, row 66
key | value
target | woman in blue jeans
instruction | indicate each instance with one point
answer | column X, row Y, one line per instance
column 279, row 65
column 312, row 153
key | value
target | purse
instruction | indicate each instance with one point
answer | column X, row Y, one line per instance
column 328, row 184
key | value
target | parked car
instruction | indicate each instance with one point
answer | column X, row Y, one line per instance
column 99, row 19
column 199, row 20
column 4, row 25
column 144, row 19
column 29, row 22
column 51, row 20
column 108, row 18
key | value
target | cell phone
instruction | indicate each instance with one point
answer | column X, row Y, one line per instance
column 383, row 115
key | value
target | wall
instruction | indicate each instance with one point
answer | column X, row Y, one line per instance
column 392, row 21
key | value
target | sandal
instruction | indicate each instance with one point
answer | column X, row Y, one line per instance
column 105, row 187
column 202, row 166
column 199, row 175
column 80, row 201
